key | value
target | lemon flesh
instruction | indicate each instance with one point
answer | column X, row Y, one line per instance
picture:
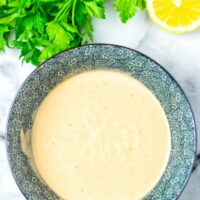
column 177, row 16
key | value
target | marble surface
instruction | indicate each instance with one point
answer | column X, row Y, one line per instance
column 179, row 54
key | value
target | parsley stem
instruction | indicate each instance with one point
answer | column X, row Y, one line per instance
column 62, row 11
column 73, row 12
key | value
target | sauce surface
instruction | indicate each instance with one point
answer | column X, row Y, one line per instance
column 101, row 135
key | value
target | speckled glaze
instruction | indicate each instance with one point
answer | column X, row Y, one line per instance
column 104, row 56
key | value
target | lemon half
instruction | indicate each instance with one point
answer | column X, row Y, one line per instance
column 178, row 16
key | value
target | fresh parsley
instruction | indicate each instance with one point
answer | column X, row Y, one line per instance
column 128, row 8
column 42, row 28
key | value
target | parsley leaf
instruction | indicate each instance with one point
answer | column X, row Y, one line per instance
column 3, row 31
column 58, row 34
column 128, row 8
column 94, row 10
column 43, row 28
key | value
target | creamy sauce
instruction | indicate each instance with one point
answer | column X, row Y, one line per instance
column 25, row 138
column 101, row 135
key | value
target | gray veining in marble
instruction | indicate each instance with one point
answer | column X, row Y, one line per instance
column 179, row 54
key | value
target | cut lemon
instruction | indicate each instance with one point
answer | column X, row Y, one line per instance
column 177, row 16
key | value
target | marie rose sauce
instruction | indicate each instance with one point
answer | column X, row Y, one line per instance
column 101, row 135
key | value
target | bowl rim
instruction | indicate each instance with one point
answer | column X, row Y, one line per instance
column 42, row 65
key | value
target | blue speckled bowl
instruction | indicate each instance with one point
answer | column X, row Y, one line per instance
column 96, row 56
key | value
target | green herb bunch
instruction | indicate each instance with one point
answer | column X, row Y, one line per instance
column 43, row 28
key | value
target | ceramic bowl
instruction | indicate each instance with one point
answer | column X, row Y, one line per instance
column 104, row 56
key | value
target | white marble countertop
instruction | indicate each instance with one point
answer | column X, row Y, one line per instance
column 179, row 54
